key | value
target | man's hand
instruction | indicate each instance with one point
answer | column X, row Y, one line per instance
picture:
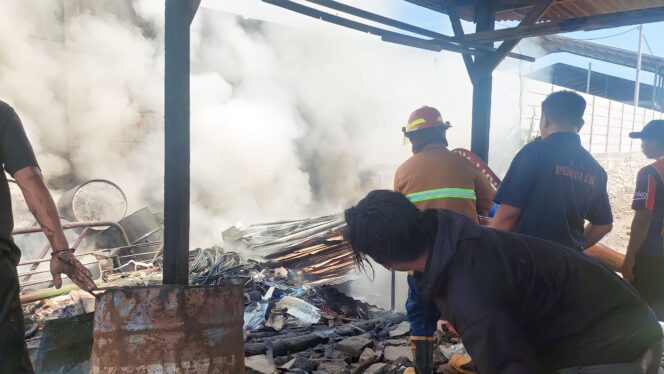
column 66, row 263
column 628, row 269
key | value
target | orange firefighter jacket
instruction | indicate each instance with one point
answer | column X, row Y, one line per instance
column 436, row 178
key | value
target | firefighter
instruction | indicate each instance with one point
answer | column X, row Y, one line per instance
column 435, row 178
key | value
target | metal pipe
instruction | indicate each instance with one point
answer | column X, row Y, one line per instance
column 393, row 291
column 177, row 142
column 33, row 272
column 608, row 128
column 75, row 225
column 43, row 253
column 592, row 122
column 637, row 84
column 590, row 69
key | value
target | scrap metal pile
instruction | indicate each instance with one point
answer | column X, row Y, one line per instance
column 294, row 317
column 312, row 251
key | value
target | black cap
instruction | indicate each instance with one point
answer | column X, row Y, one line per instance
column 652, row 130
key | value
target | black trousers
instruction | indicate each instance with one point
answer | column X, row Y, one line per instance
column 14, row 358
column 649, row 281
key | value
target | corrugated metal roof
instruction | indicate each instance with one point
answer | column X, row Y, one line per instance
column 614, row 55
column 515, row 10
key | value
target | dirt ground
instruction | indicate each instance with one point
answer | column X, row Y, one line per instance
column 622, row 170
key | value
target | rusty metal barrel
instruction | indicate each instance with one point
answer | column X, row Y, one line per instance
column 169, row 329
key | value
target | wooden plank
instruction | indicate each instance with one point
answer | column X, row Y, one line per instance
column 600, row 21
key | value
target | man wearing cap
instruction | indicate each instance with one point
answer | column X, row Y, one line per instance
column 435, row 178
column 644, row 261
column 554, row 185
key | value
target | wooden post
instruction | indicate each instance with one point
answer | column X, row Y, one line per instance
column 179, row 15
column 482, row 86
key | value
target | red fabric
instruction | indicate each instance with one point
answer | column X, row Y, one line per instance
column 652, row 192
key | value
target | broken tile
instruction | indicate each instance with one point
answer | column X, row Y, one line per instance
column 337, row 367
column 259, row 365
column 376, row 368
column 353, row 346
column 393, row 353
column 367, row 355
column 402, row 329
column 301, row 364
column 395, row 342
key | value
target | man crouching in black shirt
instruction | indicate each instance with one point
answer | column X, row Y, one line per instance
column 521, row 304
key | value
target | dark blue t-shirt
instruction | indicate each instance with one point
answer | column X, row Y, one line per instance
column 649, row 195
column 558, row 185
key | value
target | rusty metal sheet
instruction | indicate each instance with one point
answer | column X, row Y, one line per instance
column 169, row 329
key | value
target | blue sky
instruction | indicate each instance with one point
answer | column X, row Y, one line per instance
column 627, row 38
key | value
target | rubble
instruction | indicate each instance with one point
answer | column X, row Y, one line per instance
column 295, row 319
column 402, row 329
column 299, row 309
column 312, row 250
column 376, row 368
column 353, row 346
column 333, row 367
column 367, row 355
column 259, row 365
column 394, row 353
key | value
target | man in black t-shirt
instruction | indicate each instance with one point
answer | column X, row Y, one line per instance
column 554, row 185
column 18, row 159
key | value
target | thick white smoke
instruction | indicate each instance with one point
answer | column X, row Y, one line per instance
column 286, row 121
column 291, row 117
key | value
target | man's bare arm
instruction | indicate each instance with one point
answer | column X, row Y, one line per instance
column 594, row 233
column 43, row 208
column 41, row 205
column 506, row 217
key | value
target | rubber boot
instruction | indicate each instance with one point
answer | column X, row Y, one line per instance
column 423, row 355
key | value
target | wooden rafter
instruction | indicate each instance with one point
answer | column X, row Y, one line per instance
column 436, row 38
column 459, row 33
column 491, row 62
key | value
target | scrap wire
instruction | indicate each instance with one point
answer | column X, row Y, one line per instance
column 211, row 265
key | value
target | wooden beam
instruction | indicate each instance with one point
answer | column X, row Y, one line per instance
column 506, row 47
column 601, row 21
column 436, row 37
column 457, row 28
column 380, row 19
column 387, row 35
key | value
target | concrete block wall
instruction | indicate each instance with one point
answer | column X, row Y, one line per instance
column 607, row 122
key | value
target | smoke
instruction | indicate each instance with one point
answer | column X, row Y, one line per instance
column 286, row 121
